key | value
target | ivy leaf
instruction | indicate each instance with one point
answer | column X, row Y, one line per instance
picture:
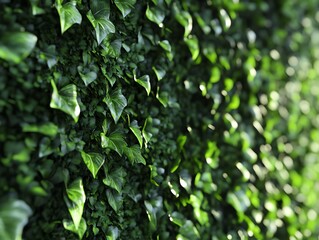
column 69, row 15
column 65, row 100
column 75, row 201
column 114, row 199
column 80, row 230
column 137, row 132
column 155, row 15
column 134, row 154
column 14, row 216
column 144, row 81
column 16, row 46
column 114, row 141
column 87, row 77
column 93, row 161
column 49, row 129
column 193, row 46
column 125, row 6
column 185, row 19
column 159, row 72
column 116, row 102
column 115, row 179
column 102, row 25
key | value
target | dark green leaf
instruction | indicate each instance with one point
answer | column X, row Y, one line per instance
column 115, row 179
column 65, row 100
column 134, row 154
column 125, row 6
column 144, row 81
column 69, row 15
column 155, row 15
column 114, row 141
column 137, row 132
column 114, row 199
column 116, row 102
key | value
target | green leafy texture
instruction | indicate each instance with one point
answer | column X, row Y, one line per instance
column 16, row 46
column 185, row 19
column 116, row 102
column 75, row 201
column 69, row 14
column 80, row 230
column 144, row 81
column 134, row 154
column 168, row 49
column 14, row 216
column 125, row 6
column 151, row 214
column 99, row 18
column 193, row 46
column 240, row 201
column 93, row 161
column 114, row 199
column 112, row 233
column 159, row 72
column 87, row 77
column 65, row 100
column 155, row 15
column 115, row 179
column 49, row 129
column 115, row 141
column 137, row 132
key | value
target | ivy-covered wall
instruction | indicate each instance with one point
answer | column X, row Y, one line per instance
column 158, row 119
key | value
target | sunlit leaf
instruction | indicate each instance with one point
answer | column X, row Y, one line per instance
column 65, row 100
column 14, row 216
column 193, row 46
column 16, row 46
column 69, row 15
column 125, row 6
column 144, row 81
column 93, row 161
column 80, row 230
column 155, row 15
column 137, row 132
column 116, row 102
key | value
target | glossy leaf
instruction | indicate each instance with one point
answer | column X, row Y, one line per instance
column 87, row 77
column 159, row 72
column 69, row 15
column 80, row 230
column 137, row 132
column 125, row 6
column 134, row 154
column 114, row 141
column 16, row 46
column 193, row 46
column 155, row 15
column 114, row 199
column 144, row 81
column 102, row 25
column 115, row 179
column 14, row 216
column 93, row 161
column 116, row 102
column 75, row 201
column 65, row 100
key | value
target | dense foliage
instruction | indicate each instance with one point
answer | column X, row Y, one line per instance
column 125, row 119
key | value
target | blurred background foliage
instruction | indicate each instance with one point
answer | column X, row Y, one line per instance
column 125, row 119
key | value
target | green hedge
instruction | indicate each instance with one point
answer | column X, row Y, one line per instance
column 128, row 119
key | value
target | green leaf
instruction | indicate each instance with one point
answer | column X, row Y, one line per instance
column 69, row 15
column 112, row 233
column 159, row 72
column 65, row 100
column 93, row 161
column 137, row 132
column 114, row 199
column 75, row 201
column 189, row 231
column 114, row 141
column 49, row 129
column 87, row 77
column 134, row 154
column 14, row 216
column 80, row 230
column 185, row 19
column 193, row 46
column 116, row 102
column 151, row 213
column 125, row 6
column 240, row 201
column 16, row 46
column 144, row 81
column 102, row 25
column 155, row 15
column 115, row 179
column 167, row 47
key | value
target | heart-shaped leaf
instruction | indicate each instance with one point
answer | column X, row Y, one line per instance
column 69, row 15
column 116, row 102
column 80, row 230
column 137, row 132
column 134, row 154
column 87, row 77
column 114, row 141
column 75, row 201
column 102, row 25
column 66, row 100
column 115, row 179
column 155, row 15
column 15, row 46
column 14, row 216
column 144, row 81
column 125, row 6
column 93, row 161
